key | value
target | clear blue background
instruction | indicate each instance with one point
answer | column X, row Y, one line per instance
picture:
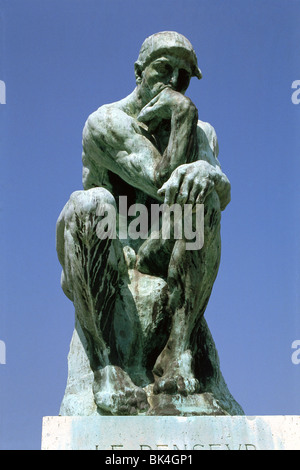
column 62, row 59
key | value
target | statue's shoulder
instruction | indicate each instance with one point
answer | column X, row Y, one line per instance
column 108, row 118
column 101, row 115
column 207, row 136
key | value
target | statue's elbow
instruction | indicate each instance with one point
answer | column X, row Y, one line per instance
column 89, row 129
column 94, row 125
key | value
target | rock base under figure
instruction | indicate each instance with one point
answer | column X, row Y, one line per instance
column 212, row 397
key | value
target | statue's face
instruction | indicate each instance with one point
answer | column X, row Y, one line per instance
column 166, row 71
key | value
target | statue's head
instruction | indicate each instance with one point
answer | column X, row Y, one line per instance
column 167, row 42
column 162, row 56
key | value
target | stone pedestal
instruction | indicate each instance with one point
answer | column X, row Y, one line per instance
column 170, row 433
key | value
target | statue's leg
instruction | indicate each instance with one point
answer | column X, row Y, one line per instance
column 92, row 267
column 191, row 275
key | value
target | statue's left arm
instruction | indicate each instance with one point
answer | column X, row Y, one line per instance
column 208, row 150
column 191, row 183
column 189, row 166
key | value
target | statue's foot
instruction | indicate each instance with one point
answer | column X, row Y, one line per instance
column 115, row 393
column 174, row 383
column 174, row 376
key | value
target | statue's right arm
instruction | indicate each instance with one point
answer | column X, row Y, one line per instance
column 114, row 140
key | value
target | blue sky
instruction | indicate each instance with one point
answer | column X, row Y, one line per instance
column 62, row 59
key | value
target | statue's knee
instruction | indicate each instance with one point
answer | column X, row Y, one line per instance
column 90, row 200
column 87, row 204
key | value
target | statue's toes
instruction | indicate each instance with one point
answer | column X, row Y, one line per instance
column 176, row 384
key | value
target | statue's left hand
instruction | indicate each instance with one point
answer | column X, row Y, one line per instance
column 189, row 184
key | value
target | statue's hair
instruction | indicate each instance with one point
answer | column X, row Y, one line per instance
column 167, row 41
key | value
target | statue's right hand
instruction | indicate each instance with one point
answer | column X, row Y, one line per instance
column 165, row 104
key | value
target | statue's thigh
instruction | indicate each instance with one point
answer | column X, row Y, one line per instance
column 83, row 250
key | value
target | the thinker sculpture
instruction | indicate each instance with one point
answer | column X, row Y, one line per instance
column 141, row 344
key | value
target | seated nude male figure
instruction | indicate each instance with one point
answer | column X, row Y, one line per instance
column 151, row 147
